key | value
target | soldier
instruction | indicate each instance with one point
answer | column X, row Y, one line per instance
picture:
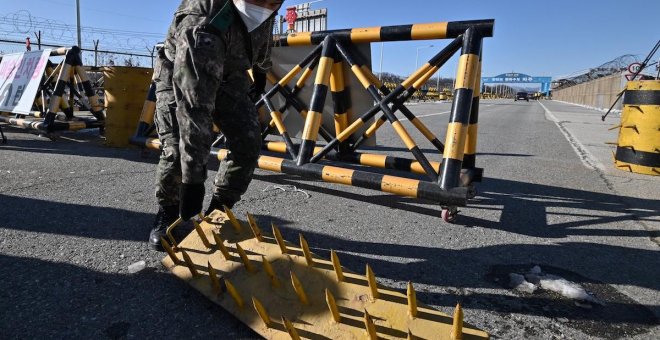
column 201, row 79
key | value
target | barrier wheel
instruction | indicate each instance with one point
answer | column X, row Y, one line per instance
column 450, row 214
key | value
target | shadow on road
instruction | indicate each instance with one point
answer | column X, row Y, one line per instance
column 44, row 299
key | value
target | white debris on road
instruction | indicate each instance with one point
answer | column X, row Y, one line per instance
column 536, row 279
column 137, row 267
column 519, row 283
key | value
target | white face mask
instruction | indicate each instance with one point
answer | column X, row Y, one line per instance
column 253, row 16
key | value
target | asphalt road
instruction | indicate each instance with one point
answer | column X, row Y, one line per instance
column 74, row 215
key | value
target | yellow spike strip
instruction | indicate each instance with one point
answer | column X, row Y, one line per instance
column 168, row 232
column 233, row 220
column 373, row 286
column 297, row 286
column 278, row 238
column 246, row 261
column 270, row 272
column 262, row 312
column 332, row 304
column 305, row 249
column 255, row 228
column 201, row 234
column 169, row 250
column 215, row 282
column 234, row 293
column 189, row 263
column 412, row 300
column 337, row 265
column 290, row 329
column 457, row 326
column 370, row 326
column 220, row 243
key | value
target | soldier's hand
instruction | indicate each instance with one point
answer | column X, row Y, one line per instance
column 192, row 198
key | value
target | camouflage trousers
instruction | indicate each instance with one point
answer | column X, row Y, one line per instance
column 185, row 128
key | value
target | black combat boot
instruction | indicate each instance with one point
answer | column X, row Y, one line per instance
column 164, row 218
column 218, row 203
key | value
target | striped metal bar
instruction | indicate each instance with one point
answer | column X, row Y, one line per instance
column 368, row 159
column 54, row 126
column 276, row 116
column 402, row 88
column 291, row 98
column 396, row 124
column 438, row 30
column 340, row 97
column 146, row 123
column 400, row 105
column 289, row 76
column 470, row 157
column 314, row 116
column 468, row 64
column 66, row 72
column 309, row 70
column 390, row 184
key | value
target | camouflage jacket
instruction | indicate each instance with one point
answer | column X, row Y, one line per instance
column 242, row 53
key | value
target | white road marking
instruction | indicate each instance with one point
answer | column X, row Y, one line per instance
column 437, row 114
column 585, row 156
column 428, row 115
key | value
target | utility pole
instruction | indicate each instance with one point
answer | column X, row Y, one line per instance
column 78, row 22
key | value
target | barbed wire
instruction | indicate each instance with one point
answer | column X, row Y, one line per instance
column 22, row 24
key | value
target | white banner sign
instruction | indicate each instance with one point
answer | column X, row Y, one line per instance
column 20, row 75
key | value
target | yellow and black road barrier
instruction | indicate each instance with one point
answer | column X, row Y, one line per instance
column 450, row 182
column 53, row 98
column 284, row 291
column 638, row 148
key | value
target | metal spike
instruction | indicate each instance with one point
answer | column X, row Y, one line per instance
column 215, row 282
column 297, row 286
column 189, row 263
column 305, row 249
column 279, row 239
column 290, row 329
column 270, row 272
column 233, row 220
column 262, row 312
column 412, row 300
column 337, row 265
column 201, row 234
column 255, row 228
column 410, row 335
column 169, row 251
column 168, row 232
column 220, row 244
column 332, row 304
column 373, row 286
column 234, row 293
column 246, row 261
column 457, row 326
column 370, row 326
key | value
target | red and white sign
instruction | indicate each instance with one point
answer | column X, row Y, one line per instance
column 634, row 67
column 20, row 75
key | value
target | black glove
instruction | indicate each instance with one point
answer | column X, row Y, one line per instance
column 258, row 87
column 192, row 198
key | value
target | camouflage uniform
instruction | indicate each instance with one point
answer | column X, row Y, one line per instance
column 210, row 85
column 168, row 173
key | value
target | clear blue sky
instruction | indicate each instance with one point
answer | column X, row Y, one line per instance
column 534, row 37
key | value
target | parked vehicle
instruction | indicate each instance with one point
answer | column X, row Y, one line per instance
column 521, row 96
